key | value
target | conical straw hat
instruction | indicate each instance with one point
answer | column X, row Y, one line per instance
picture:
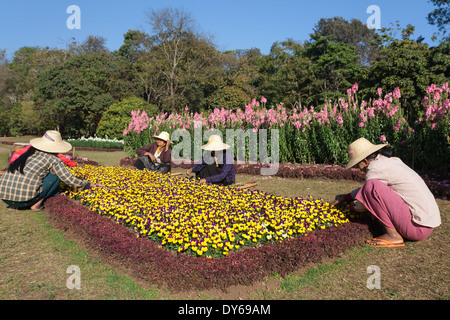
column 51, row 142
column 215, row 144
column 360, row 149
column 163, row 136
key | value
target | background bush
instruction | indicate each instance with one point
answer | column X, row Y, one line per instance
column 118, row 116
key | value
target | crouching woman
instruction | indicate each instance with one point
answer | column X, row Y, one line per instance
column 393, row 193
column 36, row 174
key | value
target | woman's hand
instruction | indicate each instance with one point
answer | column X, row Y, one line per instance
column 189, row 171
column 202, row 181
column 151, row 156
column 338, row 200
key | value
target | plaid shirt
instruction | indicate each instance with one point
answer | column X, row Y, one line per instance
column 23, row 187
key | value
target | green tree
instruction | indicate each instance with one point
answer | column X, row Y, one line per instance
column 440, row 16
column 365, row 41
column 439, row 63
column 73, row 96
column 7, row 96
column 404, row 64
column 240, row 70
column 92, row 44
column 118, row 116
column 284, row 73
column 334, row 68
column 135, row 45
column 26, row 66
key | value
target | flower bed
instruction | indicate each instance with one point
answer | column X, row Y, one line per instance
column 200, row 219
column 300, row 230
column 299, row 171
column 153, row 263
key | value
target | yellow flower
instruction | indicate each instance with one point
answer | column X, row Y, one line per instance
column 184, row 213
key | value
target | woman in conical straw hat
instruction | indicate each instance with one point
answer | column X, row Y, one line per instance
column 217, row 166
column 393, row 193
column 157, row 155
column 36, row 174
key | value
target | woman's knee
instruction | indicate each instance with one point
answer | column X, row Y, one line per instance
column 370, row 185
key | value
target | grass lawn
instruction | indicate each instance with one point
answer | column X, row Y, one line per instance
column 34, row 258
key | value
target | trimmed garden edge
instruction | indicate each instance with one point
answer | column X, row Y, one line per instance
column 158, row 266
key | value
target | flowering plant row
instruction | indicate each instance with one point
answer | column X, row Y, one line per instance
column 96, row 142
column 321, row 134
column 200, row 219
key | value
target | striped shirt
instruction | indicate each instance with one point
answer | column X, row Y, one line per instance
column 23, row 187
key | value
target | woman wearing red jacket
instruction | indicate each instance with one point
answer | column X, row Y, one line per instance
column 21, row 151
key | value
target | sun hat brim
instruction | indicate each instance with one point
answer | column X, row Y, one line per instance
column 162, row 137
column 51, row 142
column 361, row 149
column 215, row 146
column 47, row 145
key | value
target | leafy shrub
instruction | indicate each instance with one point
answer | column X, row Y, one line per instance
column 227, row 97
column 118, row 116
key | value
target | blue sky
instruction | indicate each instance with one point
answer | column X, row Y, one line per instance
column 234, row 24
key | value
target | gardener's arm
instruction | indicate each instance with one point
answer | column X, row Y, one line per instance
column 59, row 169
column 348, row 197
column 198, row 165
column 143, row 150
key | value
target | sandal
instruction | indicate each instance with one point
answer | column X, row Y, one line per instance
column 386, row 244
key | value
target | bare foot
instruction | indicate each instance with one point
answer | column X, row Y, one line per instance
column 385, row 240
column 391, row 237
column 37, row 205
